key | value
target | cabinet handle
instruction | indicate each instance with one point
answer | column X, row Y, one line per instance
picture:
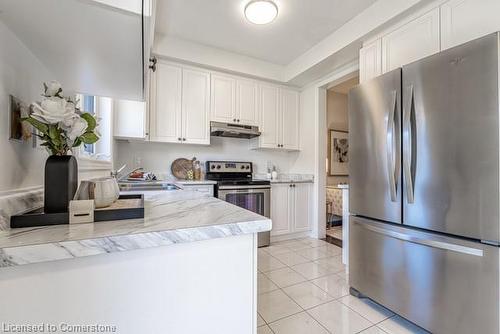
column 234, row 119
column 179, row 139
column 238, row 121
column 183, row 139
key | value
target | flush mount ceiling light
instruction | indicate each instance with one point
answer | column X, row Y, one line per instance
column 261, row 11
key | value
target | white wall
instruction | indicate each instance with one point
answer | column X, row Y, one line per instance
column 158, row 157
column 336, row 119
column 313, row 149
column 21, row 75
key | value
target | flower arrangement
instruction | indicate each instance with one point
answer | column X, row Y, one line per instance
column 61, row 124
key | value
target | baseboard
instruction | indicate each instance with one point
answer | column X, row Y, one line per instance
column 289, row 236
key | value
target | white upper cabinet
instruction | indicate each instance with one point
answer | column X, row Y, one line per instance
column 279, row 118
column 247, row 102
column 269, row 116
column 89, row 46
column 165, row 104
column 465, row 20
column 370, row 61
column 130, row 119
column 223, row 101
column 234, row 100
column 289, row 119
column 195, row 107
column 414, row 40
column 180, row 105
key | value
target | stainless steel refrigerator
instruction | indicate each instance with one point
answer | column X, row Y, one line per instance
column 424, row 189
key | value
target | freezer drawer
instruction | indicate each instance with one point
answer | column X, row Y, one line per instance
column 445, row 285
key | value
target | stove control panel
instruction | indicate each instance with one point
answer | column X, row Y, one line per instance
column 228, row 167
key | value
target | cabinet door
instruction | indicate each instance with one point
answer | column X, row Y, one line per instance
column 165, row 106
column 195, row 107
column 413, row 41
column 465, row 20
column 129, row 119
column 370, row 61
column 269, row 116
column 246, row 102
column 280, row 208
column 223, row 100
column 301, row 207
column 289, row 123
column 202, row 188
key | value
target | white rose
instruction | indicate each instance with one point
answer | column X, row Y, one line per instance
column 52, row 110
column 74, row 127
column 52, row 88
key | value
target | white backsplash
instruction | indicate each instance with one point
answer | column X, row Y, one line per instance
column 157, row 157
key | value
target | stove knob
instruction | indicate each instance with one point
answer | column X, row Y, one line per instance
column 218, row 166
column 248, row 167
column 212, row 166
column 242, row 167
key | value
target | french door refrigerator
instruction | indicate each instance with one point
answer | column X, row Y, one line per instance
column 424, row 190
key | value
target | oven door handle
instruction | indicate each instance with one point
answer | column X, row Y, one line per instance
column 240, row 189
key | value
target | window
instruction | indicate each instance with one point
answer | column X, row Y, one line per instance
column 88, row 105
column 101, row 109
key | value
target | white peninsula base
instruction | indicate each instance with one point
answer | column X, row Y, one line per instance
column 197, row 287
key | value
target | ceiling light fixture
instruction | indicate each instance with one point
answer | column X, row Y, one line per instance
column 261, row 11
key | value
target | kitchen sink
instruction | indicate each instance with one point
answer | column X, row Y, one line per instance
column 146, row 186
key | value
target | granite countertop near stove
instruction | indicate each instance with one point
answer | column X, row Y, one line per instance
column 173, row 217
column 288, row 178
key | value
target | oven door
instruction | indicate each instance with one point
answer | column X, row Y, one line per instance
column 255, row 198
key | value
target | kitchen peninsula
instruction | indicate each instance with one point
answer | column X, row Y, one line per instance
column 191, row 256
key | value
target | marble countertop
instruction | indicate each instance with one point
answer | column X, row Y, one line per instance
column 194, row 182
column 288, row 178
column 172, row 217
column 291, row 181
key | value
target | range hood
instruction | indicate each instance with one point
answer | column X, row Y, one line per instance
column 219, row 129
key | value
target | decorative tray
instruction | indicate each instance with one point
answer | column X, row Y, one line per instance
column 126, row 207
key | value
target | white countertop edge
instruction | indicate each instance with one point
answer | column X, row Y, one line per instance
column 53, row 251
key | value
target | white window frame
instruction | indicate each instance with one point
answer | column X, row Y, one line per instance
column 96, row 160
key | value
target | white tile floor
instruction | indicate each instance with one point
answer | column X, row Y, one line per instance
column 303, row 289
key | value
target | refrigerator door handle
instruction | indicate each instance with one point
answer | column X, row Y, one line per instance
column 423, row 241
column 392, row 156
column 408, row 145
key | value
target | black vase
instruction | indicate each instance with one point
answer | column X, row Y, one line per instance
column 61, row 182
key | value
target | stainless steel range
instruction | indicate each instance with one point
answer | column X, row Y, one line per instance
column 236, row 186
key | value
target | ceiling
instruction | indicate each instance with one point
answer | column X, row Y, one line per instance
column 221, row 23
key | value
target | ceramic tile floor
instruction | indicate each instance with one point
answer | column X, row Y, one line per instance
column 303, row 289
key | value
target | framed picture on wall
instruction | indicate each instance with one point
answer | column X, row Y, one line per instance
column 338, row 153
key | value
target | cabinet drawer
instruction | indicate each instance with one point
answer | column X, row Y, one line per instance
column 207, row 189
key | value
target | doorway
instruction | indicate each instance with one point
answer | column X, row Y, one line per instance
column 337, row 158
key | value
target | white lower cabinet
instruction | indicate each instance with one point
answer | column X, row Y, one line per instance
column 180, row 105
column 290, row 208
column 202, row 188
